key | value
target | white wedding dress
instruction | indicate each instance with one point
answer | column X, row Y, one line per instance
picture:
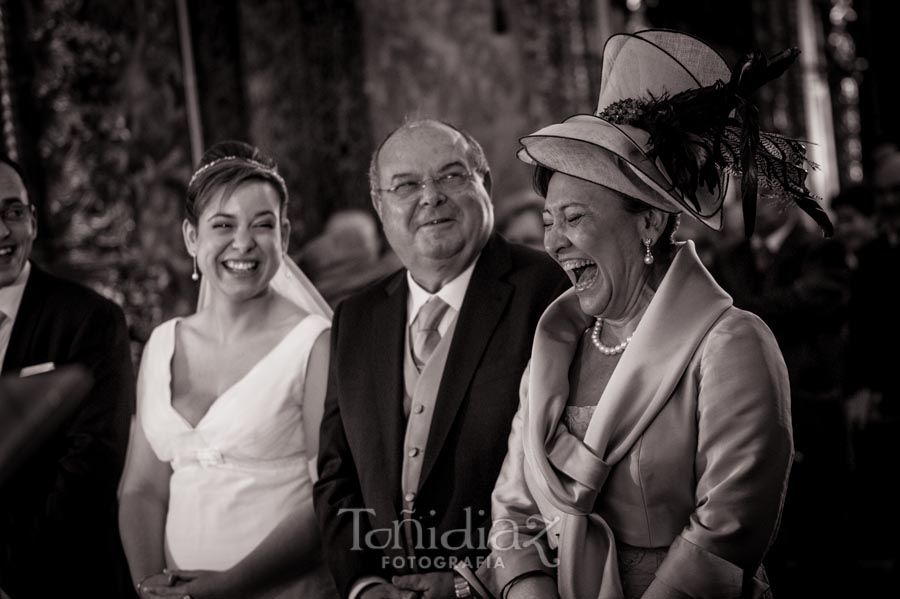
column 243, row 468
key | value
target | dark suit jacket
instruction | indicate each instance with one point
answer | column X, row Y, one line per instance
column 803, row 297
column 360, row 455
column 58, row 513
column 875, row 324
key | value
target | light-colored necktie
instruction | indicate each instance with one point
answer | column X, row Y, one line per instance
column 425, row 334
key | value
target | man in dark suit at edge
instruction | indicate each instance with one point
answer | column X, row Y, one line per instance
column 425, row 372
column 58, row 527
column 798, row 283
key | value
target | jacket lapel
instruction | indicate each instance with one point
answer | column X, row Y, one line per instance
column 387, row 343
column 484, row 305
column 686, row 305
column 18, row 354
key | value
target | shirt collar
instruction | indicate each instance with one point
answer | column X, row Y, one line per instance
column 11, row 295
column 776, row 238
column 452, row 293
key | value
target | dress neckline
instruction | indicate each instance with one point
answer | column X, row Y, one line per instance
column 227, row 391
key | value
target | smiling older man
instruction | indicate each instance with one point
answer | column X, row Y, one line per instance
column 425, row 371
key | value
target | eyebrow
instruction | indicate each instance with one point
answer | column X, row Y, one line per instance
column 566, row 205
column 449, row 165
column 13, row 200
column 225, row 215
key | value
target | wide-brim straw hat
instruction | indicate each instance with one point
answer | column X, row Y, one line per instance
column 645, row 64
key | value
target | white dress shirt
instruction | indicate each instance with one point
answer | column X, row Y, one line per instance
column 774, row 240
column 452, row 294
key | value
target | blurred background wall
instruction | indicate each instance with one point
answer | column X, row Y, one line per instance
column 108, row 103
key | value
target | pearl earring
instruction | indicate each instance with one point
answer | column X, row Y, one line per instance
column 648, row 256
column 195, row 276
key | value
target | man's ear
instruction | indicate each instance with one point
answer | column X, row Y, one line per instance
column 189, row 232
column 34, row 221
column 488, row 181
column 377, row 203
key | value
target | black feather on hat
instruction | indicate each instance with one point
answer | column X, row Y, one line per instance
column 671, row 120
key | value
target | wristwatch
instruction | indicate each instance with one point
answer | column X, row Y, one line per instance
column 461, row 586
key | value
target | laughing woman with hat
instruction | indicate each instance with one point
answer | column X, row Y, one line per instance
column 651, row 452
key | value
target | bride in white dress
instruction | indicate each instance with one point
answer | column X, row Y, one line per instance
column 217, row 493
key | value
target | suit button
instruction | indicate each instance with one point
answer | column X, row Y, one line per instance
column 409, row 497
column 418, row 409
column 413, row 452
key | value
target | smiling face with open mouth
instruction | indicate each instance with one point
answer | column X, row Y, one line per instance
column 588, row 231
column 16, row 235
column 239, row 239
column 432, row 228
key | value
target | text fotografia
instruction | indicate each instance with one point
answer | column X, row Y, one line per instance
column 408, row 532
column 440, row 562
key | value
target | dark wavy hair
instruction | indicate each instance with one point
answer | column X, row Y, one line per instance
column 225, row 166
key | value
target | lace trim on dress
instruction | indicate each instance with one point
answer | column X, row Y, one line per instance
column 577, row 419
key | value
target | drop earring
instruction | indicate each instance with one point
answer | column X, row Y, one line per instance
column 195, row 276
column 648, row 256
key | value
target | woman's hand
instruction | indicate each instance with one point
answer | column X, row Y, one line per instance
column 196, row 584
column 153, row 581
column 387, row 591
column 535, row 586
column 433, row 585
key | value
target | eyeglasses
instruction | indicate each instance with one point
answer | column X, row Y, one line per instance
column 449, row 183
column 16, row 214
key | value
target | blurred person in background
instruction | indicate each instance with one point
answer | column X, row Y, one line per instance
column 58, row 529
column 873, row 383
column 876, row 301
column 856, row 226
column 347, row 255
column 519, row 218
column 799, row 284
column 886, row 181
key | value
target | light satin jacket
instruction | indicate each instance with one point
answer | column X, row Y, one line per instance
column 689, row 448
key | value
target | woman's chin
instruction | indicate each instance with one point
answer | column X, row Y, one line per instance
column 590, row 304
column 242, row 290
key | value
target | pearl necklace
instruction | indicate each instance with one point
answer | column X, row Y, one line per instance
column 605, row 349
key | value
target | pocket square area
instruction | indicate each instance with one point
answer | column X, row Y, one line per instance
column 37, row 369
